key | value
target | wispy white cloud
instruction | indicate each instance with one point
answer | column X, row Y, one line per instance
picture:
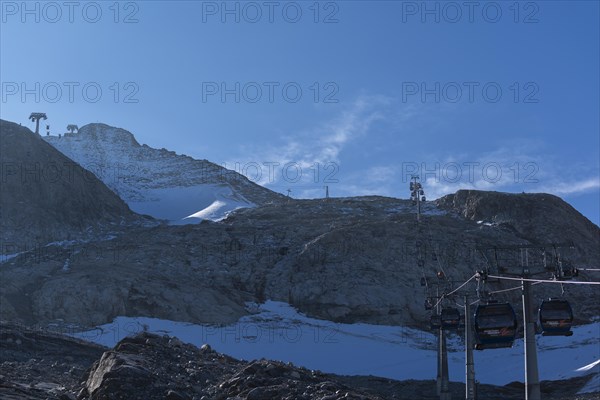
column 316, row 152
column 573, row 188
column 330, row 139
column 521, row 165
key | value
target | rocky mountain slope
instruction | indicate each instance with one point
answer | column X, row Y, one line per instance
column 159, row 182
column 349, row 260
column 36, row 365
column 46, row 197
column 537, row 217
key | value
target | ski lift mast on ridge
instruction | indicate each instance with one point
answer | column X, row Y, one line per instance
column 35, row 117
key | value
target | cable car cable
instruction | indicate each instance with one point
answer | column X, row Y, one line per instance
column 455, row 290
column 543, row 280
column 512, row 288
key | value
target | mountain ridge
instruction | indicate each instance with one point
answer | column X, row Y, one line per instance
column 159, row 182
column 47, row 197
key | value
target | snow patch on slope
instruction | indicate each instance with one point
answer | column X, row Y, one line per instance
column 277, row 331
column 217, row 211
column 186, row 205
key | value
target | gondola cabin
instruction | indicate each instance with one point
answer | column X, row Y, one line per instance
column 556, row 317
column 435, row 322
column 494, row 325
column 450, row 318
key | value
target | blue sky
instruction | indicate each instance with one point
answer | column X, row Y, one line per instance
column 492, row 95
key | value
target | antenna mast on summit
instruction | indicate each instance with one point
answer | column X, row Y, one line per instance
column 417, row 195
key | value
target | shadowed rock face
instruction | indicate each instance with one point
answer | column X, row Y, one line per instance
column 46, row 197
column 40, row 365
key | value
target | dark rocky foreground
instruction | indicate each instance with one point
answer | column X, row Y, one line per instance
column 43, row 365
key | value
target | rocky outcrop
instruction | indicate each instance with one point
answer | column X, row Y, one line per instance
column 148, row 367
column 537, row 217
